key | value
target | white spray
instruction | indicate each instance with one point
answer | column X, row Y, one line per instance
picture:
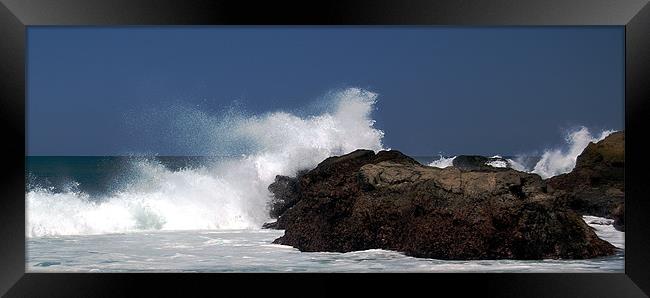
column 230, row 194
column 559, row 161
column 553, row 161
column 443, row 162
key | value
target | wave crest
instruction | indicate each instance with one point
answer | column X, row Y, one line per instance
column 228, row 194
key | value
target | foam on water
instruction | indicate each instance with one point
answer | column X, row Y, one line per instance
column 251, row 251
column 604, row 228
column 229, row 194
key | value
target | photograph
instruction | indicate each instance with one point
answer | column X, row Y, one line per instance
column 338, row 149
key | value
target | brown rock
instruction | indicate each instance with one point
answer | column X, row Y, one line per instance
column 387, row 200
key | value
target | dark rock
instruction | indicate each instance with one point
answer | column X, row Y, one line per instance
column 285, row 194
column 618, row 214
column 476, row 162
column 596, row 185
column 270, row 225
column 470, row 162
column 388, row 200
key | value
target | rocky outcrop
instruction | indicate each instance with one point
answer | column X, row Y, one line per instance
column 285, row 194
column 596, row 185
column 387, row 200
column 478, row 163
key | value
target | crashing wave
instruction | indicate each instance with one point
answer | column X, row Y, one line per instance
column 229, row 194
column 562, row 160
column 443, row 162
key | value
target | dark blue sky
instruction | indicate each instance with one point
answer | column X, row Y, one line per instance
column 453, row 90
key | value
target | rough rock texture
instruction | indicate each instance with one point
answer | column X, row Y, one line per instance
column 596, row 185
column 387, row 200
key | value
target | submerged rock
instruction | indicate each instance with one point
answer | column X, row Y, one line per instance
column 596, row 185
column 388, row 200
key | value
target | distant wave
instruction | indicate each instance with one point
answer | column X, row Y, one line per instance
column 229, row 194
column 443, row 162
column 553, row 162
column 562, row 160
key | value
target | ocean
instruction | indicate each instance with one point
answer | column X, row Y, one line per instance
column 74, row 204
column 252, row 251
column 188, row 214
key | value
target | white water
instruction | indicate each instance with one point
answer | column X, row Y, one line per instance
column 230, row 194
column 562, row 160
column 233, row 194
column 553, row 161
column 252, row 251
column 517, row 164
column 443, row 162
column 604, row 228
column 497, row 163
column 207, row 219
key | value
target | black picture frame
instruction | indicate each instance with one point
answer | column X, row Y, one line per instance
column 16, row 15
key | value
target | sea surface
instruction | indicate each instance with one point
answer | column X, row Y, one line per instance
column 252, row 251
column 127, row 214
column 101, row 175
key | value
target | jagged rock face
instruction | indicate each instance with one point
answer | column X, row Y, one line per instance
column 388, row 200
column 596, row 185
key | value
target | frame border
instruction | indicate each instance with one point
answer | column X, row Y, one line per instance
column 16, row 15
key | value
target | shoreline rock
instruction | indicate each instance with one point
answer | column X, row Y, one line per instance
column 387, row 200
column 596, row 185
